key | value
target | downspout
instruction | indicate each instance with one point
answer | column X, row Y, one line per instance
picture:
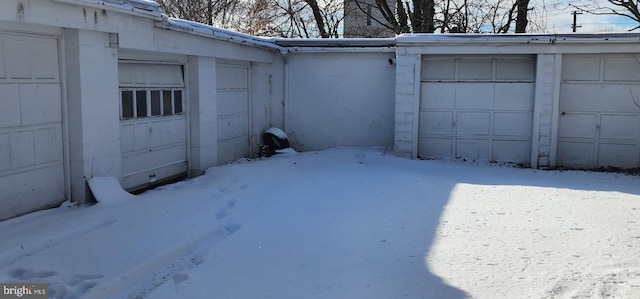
column 250, row 106
column 66, row 142
column 285, row 93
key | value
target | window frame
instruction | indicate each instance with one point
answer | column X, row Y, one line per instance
column 148, row 91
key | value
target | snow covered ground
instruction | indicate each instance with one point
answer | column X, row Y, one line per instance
column 342, row 223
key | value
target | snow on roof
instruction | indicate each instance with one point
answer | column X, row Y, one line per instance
column 152, row 9
column 146, row 7
column 220, row 33
column 515, row 38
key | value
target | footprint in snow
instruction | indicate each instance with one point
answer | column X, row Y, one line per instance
column 232, row 227
column 179, row 277
column 29, row 274
column 80, row 278
column 222, row 213
column 231, row 203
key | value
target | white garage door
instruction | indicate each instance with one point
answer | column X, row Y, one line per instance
column 477, row 107
column 599, row 121
column 153, row 123
column 233, row 111
column 31, row 155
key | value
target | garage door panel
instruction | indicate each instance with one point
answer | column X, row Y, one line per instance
column 232, row 126
column 600, row 118
column 10, row 104
column 622, row 68
column 618, row 155
column 475, row 69
column 155, row 133
column 435, row 147
column 473, row 123
column 40, row 103
column 17, row 58
column 514, row 96
column 28, row 57
column 436, row 122
column 31, row 144
column 32, row 190
column 619, row 127
column 575, row 154
column 474, row 96
column 152, row 159
column 232, row 149
column 599, row 97
column 43, row 58
column 141, row 139
column 48, row 145
column 232, row 102
column 438, row 69
column 512, row 123
column 581, row 67
column 232, row 77
column 5, row 152
column 437, row 96
column 577, row 125
column 179, row 131
column 515, row 69
column 23, row 149
column 476, row 149
column 511, row 150
column 161, row 163
column 489, row 101
column 233, row 111
column 128, row 138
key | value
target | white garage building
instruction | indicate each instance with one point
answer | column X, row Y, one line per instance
column 95, row 88
column 542, row 101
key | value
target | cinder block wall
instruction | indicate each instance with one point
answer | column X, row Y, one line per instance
column 406, row 105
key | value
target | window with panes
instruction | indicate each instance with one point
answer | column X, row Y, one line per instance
column 148, row 90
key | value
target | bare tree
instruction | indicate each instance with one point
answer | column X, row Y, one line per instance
column 624, row 8
column 308, row 18
column 450, row 16
column 256, row 18
column 283, row 18
column 219, row 12
column 521, row 16
column 399, row 16
column 469, row 16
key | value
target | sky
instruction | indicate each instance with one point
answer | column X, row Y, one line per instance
column 559, row 18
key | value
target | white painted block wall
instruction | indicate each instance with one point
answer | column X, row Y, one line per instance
column 202, row 113
column 406, row 104
column 93, row 109
column 545, row 115
column 339, row 99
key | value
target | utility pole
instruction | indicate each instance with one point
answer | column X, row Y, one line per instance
column 575, row 19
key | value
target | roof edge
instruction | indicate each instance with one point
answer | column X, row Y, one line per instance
column 444, row 39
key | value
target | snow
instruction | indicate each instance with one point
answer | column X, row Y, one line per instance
column 223, row 34
column 342, row 223
column 142, row 6
column 277, row 132
column 107, row 190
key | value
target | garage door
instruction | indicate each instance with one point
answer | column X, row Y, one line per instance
column 477, row 107
column 599, row 121
column 233, row 111
column 153, row 123
column 31, row 155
